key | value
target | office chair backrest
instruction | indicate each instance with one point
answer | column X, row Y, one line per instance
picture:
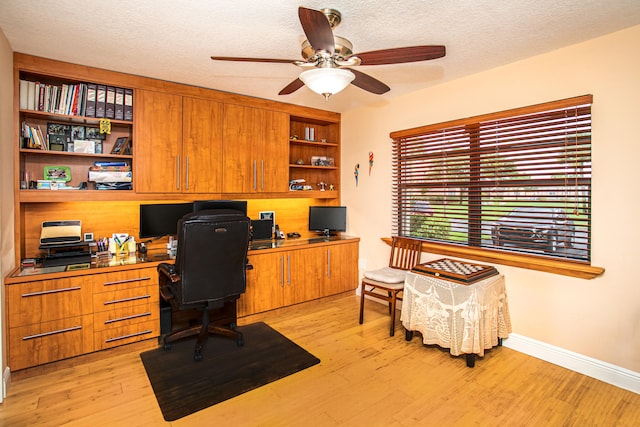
column 212, row 255
column 405, row 253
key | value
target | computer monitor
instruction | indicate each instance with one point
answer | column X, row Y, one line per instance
column 239, row 205
column 327, row 219
column 159, row 220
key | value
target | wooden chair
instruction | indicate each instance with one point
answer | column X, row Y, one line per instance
column 405, row 254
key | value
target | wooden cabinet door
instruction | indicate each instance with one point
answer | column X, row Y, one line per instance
column 158, row 143
column 241, row 130
column 306, row 275
column 202, row 145
column 274, row 164
column 256, row 147
column 342, row 263
column 265, row 283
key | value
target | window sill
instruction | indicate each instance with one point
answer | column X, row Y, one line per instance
column 531, row 262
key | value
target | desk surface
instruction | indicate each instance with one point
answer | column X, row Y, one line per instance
column 466, row 319
column 153, row 258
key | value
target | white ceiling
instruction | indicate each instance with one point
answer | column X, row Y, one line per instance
column 174, row 39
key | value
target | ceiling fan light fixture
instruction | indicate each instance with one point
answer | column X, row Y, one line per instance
column 327, row 81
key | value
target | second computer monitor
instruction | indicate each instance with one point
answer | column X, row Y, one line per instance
column 239, row 205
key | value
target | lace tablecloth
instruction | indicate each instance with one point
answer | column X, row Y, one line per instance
column 467, row 319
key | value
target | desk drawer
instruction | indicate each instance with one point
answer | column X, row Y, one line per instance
column 47, row 300
column 126, row 316
column 128, row 279
column 45, row 342
column 116, row 336
column 106, row 301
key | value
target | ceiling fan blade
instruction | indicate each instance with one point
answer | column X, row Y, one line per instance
column 368, row 83
column 401, row 55
column 233, row 58
column 291, row 87
column 317, row 29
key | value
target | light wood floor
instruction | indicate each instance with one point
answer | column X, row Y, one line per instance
column 365, row 378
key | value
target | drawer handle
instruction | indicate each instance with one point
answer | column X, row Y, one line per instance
column 117, row 282
column 44, row 334
column 133, row 316
column 116, row 301
column 148, row 331
column 52, row 291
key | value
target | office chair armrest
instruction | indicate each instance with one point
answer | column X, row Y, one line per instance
column 168, row 270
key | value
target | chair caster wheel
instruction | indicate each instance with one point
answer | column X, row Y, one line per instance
column 166, row 346
column 197, row 357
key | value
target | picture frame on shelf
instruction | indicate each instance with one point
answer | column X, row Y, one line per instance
column 77, row 132
column 93, row 132
column 120, row 145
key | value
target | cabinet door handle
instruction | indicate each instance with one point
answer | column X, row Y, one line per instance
column 116, row 301
column 329, row 263
column 148, row 331
column 118, row 282
column 282, row 270
column 58, row 331
column 177, row 172
column 51, row 291
column 186, row 173
column 255, row 175
column 262, row 174
column 133, row 316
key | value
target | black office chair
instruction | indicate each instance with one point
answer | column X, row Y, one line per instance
column 209, row 274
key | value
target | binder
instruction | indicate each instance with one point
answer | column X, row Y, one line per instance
column 119, row 115
column 101, row 100
column 91, row 100
column 110, row 108
column 128, row 104
column 24, row 93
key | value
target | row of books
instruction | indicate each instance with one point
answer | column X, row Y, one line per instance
column 32, row 137
column 81, row 99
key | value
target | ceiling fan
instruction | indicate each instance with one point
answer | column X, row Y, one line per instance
column 328, row 58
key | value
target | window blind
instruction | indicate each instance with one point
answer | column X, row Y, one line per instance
column 515, row 181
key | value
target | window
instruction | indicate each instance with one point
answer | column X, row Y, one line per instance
column 515, row 181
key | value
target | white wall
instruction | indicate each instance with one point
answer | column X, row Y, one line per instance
column 6, row 182
column 598, row 318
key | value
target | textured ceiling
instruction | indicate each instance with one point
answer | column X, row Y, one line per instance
column 173, row 40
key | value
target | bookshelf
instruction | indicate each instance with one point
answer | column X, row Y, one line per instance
column 69, row 125
column 314, row 156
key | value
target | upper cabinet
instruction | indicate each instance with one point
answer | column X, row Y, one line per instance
column 158, row 146
column 179, row 144
column 255, row 150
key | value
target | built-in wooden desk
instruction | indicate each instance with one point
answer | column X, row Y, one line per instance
column 54, row 315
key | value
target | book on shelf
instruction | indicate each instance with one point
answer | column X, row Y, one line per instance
column 128, row 104
column 101, row 100
column 31, row 96
column 24, row 90
column 110, row 104
column 90, row 110
column 119, row 104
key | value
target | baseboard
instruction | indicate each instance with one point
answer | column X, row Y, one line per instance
column 6, row 380
column 603, row 371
